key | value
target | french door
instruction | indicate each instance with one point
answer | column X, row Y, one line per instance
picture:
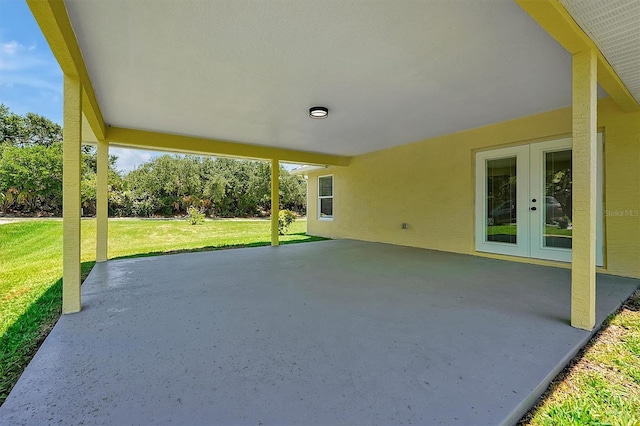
column 524, row 201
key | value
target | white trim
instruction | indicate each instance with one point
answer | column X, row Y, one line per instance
column 304, row 170
column 529, row 178
column 537, row 152
column 521, row 247
column 332, row 196
column 600, row 201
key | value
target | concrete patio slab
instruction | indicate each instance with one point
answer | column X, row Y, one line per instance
column 334, row 332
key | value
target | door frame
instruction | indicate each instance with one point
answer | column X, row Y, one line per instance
column 521, row 247
column 524, row 169
column 537, row 183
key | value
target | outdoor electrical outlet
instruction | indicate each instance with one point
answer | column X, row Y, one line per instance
column 405, row 226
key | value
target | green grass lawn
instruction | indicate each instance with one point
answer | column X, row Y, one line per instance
column 511, row 230
column 31, row 269
column 601, row 386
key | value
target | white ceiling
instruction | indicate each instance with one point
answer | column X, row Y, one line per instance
column 614, row 26
column 390, row 72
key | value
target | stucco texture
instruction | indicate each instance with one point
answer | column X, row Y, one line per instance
column 430, row 185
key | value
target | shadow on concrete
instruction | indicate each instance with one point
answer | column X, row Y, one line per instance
column 24, row 337
column 307, row 239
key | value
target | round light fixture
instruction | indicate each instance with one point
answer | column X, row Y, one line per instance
column 318, row 112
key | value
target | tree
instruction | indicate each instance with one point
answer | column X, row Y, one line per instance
column 558, row 184
column 170, row 184
column 30, row 130
column 31, row 165
column 31, row 178
column 89, row 178
column 293, row 192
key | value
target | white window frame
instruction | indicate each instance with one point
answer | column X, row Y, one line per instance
column 320, row 217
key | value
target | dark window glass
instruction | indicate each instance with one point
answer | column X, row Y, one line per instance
column 501, row 200
column 326, row 207
column 325, row 186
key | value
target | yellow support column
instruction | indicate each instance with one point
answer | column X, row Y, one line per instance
column 71, row 208
column 583, row 265
column 275, row 201
column 102, row 201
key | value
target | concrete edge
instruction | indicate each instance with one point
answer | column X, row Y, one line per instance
column 219, row 249
column 534, row 396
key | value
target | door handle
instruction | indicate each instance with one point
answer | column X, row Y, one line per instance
column 533, row 209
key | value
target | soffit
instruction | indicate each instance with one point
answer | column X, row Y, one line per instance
column 614, row 26
column 390, row 72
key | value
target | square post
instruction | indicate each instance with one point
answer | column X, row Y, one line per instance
column 583, row 264
column 102, row 202
column 275, row 201
column 71, row 201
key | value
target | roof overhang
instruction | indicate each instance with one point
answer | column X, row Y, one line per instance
column 54, row 22
column 132, row 138
column 237, row 78
column 304, row 170
column 554, row 18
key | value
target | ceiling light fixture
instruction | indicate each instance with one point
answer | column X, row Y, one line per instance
column 318, row 112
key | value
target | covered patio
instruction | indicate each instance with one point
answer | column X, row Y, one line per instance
column 415, row 94
column 345, row 331
column 333, row 332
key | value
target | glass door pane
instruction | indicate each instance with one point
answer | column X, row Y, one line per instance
column 502, row 219
column 501, row 196
column 550, row 201
column 524, row 199
column 558, row 200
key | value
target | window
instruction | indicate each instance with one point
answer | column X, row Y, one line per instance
column 325, row 197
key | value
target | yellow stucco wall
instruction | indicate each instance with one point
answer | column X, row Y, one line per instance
column 430, row 186
column 621, row 189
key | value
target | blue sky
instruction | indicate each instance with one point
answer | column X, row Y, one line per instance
column 30, row 78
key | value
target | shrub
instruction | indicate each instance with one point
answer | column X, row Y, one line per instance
column 142, row 208
column 194, row 216
column 285, row 218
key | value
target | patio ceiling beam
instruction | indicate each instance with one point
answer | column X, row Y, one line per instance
column 556, row 21
column 132, row 138
column 52, row 17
